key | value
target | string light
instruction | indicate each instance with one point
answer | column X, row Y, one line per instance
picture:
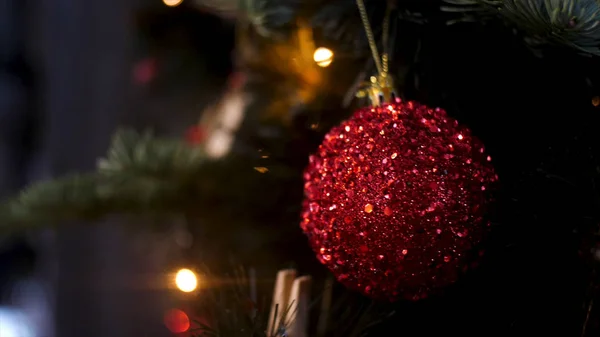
column 323, row 57
column 172, row 3
column 225, row 120
column 186, row 280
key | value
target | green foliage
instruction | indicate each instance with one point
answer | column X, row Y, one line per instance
column 230, row 311
column 141, row 174
column 573, row 23
column 270, row 17
column 337, row 20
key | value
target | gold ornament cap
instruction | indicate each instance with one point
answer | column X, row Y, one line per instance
column 379, row 90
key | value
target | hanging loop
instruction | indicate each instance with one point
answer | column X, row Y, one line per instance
column 380, row 88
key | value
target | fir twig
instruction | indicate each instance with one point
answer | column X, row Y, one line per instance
column 140, row 173
column 270, row 18
column 572, row 23
column 229, row 312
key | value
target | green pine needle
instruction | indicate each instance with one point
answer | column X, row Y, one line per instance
column 572, row 23
column 269, row 17
column 140, row 174
column 226, row 300
column 145, row 155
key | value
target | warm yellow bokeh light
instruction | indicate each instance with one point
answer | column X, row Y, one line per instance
column 186, row 280
column 172, row 3
column 323, row 57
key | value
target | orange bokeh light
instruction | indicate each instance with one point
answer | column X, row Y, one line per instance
column 172, row 3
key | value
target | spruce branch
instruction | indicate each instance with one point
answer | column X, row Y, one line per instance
column 140, row 174
column 336, row 20
column 146, row 155
column 269, row 17
column 229, row 310
column 572, row 23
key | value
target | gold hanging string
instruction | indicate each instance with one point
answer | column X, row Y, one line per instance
column 386, row 39
column 380, row 86
column 370, row 37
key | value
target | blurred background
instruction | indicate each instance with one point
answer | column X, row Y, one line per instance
column 72, row 72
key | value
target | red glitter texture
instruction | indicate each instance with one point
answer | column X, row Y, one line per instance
column 395, row 200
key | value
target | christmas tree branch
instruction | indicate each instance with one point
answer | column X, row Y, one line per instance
column 573, row 23
column 140, row 174
column 226, row 309
column 336, row 20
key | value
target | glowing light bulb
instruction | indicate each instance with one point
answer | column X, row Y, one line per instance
column 323, row 57
column 186, row 280
column 172, row 3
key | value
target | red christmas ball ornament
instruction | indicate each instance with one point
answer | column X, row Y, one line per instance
column 395, row 199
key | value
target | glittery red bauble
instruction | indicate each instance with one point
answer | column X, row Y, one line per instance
column 395, row 200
